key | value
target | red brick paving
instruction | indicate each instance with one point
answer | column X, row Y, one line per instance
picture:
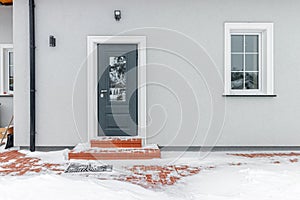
column 235, row 164
column 294, row 160
column 16, row 163
column 269, row 155
column 156, row 176
column 262, row 155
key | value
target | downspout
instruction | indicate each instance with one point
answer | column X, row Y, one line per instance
column 32, row 73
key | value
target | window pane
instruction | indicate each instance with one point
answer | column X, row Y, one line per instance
column 11, row 84
column 251, row 43
column 237, row 80
column 237, row 62
column 251, row 62
column 11, row 58
column 117, row 78
column 251, row 80
column 10, row 71
column 237, row 43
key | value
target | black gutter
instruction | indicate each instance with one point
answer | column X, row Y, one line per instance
column 32, row 73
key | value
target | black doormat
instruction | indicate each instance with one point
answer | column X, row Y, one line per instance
column 80, row 168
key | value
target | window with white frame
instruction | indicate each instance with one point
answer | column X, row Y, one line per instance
column 249, row 59
column 6, row 69
column 10, row 65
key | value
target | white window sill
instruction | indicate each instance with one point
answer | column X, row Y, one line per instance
column 249, row 95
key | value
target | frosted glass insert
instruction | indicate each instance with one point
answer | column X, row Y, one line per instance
column 117, row 78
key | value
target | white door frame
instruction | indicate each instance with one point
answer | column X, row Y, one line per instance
column 92, row 80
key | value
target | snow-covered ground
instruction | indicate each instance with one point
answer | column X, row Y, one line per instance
column 232, row 178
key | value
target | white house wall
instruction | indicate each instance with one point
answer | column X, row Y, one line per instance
column 6, row 31
column 185, row 54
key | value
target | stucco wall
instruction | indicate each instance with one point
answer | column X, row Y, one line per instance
column 6, row 37
column 185, row 72
column 6, row 31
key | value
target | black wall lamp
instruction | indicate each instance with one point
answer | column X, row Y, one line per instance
column 52, row 41
column 117, row 15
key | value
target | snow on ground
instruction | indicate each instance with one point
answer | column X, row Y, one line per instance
column 223, row 177
column 76, row 188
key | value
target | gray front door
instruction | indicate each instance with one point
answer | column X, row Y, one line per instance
column 117, row 96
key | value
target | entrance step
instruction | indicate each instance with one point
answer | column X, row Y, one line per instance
column 117, row 142
column 147, row 152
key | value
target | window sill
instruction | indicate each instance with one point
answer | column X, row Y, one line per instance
column 249, row 95
column 6, row 95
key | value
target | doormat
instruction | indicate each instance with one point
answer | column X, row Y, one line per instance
column 80, row 168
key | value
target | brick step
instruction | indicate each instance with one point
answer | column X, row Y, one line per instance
column 148, row 152
column 117, row 142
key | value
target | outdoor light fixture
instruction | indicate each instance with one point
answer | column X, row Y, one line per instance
column 117, row 15
column 52, row 41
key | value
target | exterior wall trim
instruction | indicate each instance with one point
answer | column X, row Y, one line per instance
column 266, row 29
column 92, row 81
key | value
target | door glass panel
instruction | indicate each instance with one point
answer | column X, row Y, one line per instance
column 117, row 78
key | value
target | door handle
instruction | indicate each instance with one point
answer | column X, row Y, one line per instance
column 102, row 93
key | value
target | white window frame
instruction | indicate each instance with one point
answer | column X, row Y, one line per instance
column 266, row 71
column 3, row 48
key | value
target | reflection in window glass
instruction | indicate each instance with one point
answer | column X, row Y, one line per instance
column 251, row 80
column 237, row 80
column 117, row 78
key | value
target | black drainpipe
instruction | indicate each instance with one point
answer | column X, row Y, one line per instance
column 32, row 74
